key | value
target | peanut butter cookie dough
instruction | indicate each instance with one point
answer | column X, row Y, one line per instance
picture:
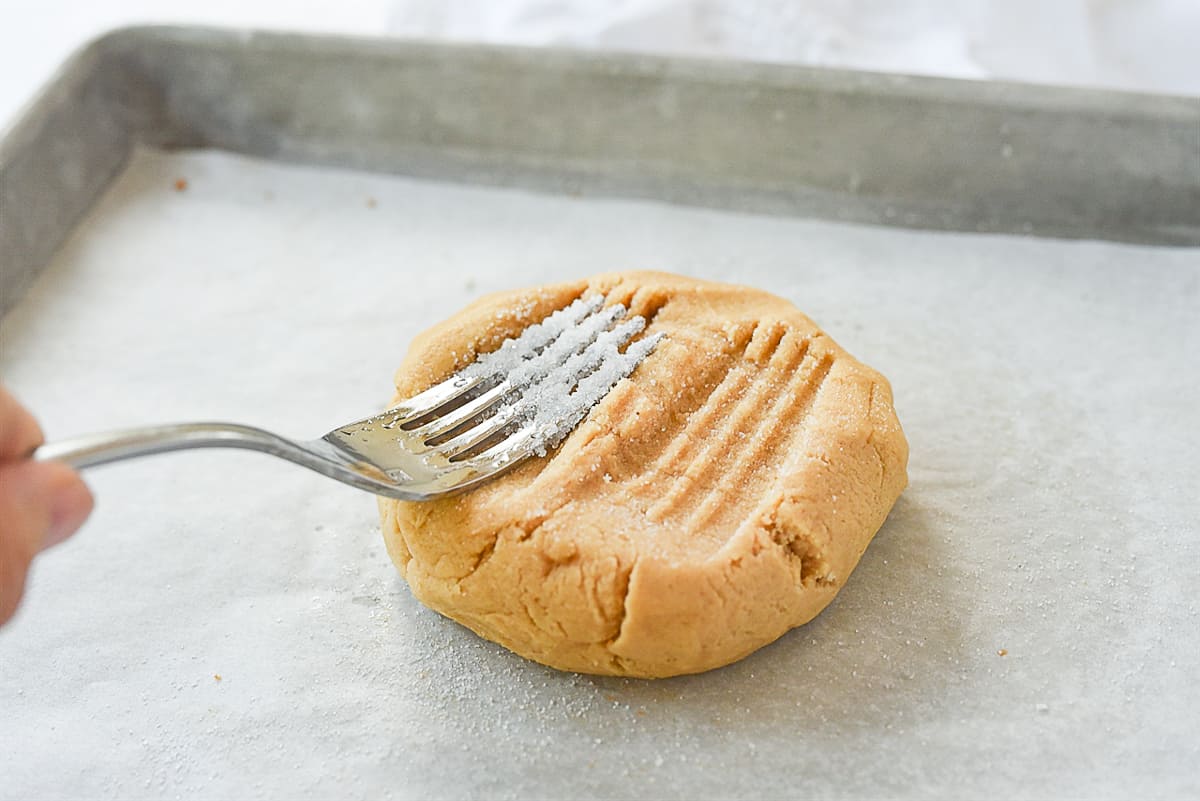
column 718, row 497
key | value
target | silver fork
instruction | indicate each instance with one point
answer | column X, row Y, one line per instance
column 518, row 401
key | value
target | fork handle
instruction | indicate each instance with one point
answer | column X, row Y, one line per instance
column 95, row 449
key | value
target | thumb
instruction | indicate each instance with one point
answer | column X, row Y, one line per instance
column 70, row 501
column 41, row 504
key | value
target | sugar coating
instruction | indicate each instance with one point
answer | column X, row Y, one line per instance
column 557, row 369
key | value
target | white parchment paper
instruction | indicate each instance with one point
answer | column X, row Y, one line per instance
column 1048, row 388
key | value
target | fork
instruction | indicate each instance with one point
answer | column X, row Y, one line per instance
column 508, row 405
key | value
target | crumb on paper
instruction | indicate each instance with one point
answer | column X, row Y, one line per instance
column 216, row 677
column 1002, row 652
column 372, row 203
column 181, row 184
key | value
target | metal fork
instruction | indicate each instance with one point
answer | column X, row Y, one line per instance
column 513, row 403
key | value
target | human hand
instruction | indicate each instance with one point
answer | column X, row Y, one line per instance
column 41, row 503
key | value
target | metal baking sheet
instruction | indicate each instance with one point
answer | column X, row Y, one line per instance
column 830, row 144
column 1023, row 625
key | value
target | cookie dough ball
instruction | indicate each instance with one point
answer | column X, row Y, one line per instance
column 718, row 497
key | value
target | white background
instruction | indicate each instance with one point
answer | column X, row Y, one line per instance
column 1142, row 45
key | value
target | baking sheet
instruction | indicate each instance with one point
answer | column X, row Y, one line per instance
column 889, row 150
column 1047, row 388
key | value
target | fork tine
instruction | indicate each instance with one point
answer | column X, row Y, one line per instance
column 432, row 399
column 528, row 394
column 571, row 366
column 490, row 365
column 556, row 344
column 561, row 380
column 544, row 427
column 464, row 442
column 456, row 417
column 552, row 423
column 517, row 445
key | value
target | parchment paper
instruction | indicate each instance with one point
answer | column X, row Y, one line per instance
column 1048, row 389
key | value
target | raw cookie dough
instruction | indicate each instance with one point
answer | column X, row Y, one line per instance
column 718, row 497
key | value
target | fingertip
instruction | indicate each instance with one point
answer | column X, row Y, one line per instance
column 24, row 516
column 71, row 502
column 41, row 503
column 13, row 567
